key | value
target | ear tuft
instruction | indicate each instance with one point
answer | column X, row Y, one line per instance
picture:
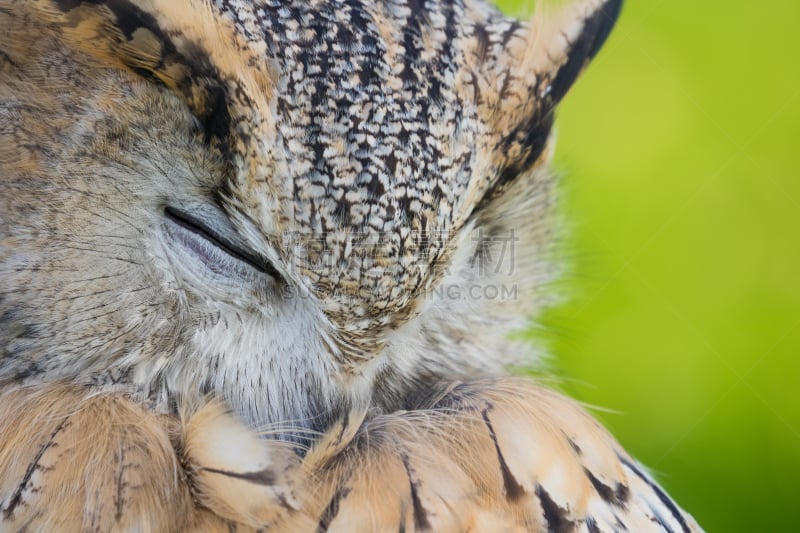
column 183, row 44
column 536, row 68
column 596, row 25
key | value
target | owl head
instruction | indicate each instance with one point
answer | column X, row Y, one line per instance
column 293, row 205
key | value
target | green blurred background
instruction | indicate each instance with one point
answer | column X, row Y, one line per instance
column 679, row 148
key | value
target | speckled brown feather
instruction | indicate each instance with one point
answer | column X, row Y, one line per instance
column 497, row 455
column 72, row 462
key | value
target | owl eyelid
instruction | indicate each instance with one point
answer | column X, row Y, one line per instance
column 229, row 246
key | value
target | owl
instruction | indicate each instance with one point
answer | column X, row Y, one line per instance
column 262, row 262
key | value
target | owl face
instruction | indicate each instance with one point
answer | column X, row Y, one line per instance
column 281, row 203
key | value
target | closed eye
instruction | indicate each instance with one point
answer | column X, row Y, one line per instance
column 212, row 245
